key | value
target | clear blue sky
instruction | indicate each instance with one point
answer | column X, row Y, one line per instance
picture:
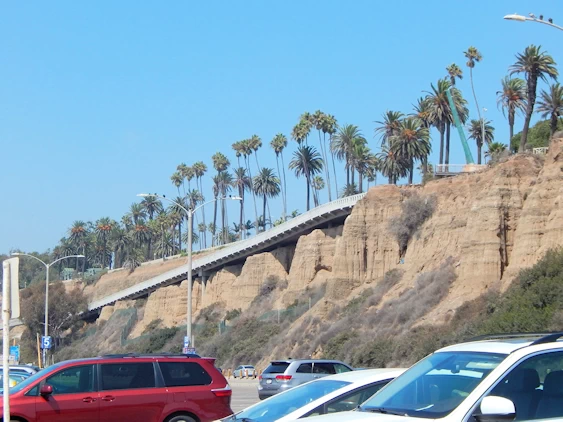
column 101, row 100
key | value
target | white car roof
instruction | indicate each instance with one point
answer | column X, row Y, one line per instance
column 367, row 375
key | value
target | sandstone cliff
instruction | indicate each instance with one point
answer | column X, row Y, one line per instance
column 492, row 224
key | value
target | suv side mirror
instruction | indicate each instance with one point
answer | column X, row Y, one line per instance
column 46, row 390
column 495, row 408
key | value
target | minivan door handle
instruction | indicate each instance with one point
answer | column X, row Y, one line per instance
column 108, row 398
column 88, row 399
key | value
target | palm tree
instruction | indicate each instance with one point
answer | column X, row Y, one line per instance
column 177, row 215
column 361, row 159
column 411, row 143
column 177, row 180
column 278, row 144
column 372, row 169
column 137, row 212
column 389, row 125
column 329, row 127
column 454, row 71
column 495, row 150
column 392, row 165
column 473, row 56
column 423, row 112
column 187, row 173
column 550, row 105
column 242, row 183
column 535, row 64
column 220, row 164
column 476, row 129
column 306, row 162
column 152, row 206
column 255, row 143
column 349, row 190
column 246, row 150
column 202, row 229
column 512, row 98
column 199, row 171
column 224, row 181
column 317, row 184
column 342, row 144
column 318, row 121
column 301, row 131
column 267, row 184
column 78, row 236
column 103, row 229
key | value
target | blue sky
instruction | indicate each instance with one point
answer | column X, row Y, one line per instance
column 101, row 100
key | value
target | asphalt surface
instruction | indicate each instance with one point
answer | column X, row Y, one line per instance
column 245, row 393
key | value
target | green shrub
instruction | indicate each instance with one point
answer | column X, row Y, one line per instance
column 232, row 314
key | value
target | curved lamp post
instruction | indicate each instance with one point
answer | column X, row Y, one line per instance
column 190, row 212
column 532, row 18
column 47, row 266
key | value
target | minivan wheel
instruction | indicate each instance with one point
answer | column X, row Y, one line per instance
column 181, row 418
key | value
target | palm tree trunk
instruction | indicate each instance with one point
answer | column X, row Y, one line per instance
column 253, row 194
column 510, row 127
column 411, row 171
column 307, row 176
column 479, row 146
column 284, row 189
column 447, row 156
column 203, row 213
column 335, row 177
column 214, row 221
column 180, row 235
column 532, row 85
column 241, row 194
column 264, row 212
column 474, row 96
column 553, row 125
column 327, row 171
column 360, row 182
column 441, row 130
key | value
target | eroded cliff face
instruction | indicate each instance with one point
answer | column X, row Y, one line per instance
column 491, row 223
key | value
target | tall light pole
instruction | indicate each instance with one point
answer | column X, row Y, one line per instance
column 190, row 212
column 532, row 18
column 47, row 266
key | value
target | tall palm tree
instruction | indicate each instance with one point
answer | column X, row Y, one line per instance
column 329, row 127
column 411, row 143
column 220, row 163
column 454, row 71
column 187, row 173
column 318, row 184
column 120, row 240
column 152, row 206
column 199, row 171
column 389, row 125
column 372, row 169
column 137, row 212
column 512, row 99
column 342, row 144
column 318, row 121
column 423, row 112
column 361, row 159
column 237, row 148
column 177, row 215
column 392, row 165
column 182, row 168
column 255, row 143
column 103, row 229
column 242, row 183
column 306, row 162
column 301, row 131
column 278, row 144
column 535, row 64
column 177, row 180
column 224, row 181
column 246, row 149
column 473, row 56
column 267, row 184
column 550, row 105
column 476, row 129
column 78, row 237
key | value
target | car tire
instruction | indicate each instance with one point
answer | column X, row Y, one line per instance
column 181, row 418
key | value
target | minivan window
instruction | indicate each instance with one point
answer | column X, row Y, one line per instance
column 76, row 379
column 276, row 368
column 323, row 368
column 123, row 376
column 182, row 374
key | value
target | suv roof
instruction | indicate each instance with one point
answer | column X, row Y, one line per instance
column 503, row 343
column 305, row 360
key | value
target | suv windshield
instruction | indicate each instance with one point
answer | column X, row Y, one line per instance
column 435, row 386
column 276, row 368
column 289, row 401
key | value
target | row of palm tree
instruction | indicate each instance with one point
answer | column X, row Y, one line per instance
column 149, row 229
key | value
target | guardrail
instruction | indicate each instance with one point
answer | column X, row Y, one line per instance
column 242, row 247
column 452, row 169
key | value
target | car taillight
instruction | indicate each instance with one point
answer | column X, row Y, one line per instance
column 223, row 392
column 283, row 378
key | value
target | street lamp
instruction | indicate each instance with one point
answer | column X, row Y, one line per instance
column 47, row 266
column 190, row 212
column 520, row 18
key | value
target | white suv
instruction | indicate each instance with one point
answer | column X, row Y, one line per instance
column 510, row 377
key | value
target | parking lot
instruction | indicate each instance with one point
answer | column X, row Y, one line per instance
column 244, row 393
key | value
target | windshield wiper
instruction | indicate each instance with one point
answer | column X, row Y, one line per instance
column 382, row 410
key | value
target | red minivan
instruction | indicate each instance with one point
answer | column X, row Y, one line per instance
column 117, row 388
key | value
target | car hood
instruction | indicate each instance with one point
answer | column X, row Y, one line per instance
column 362, row 416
